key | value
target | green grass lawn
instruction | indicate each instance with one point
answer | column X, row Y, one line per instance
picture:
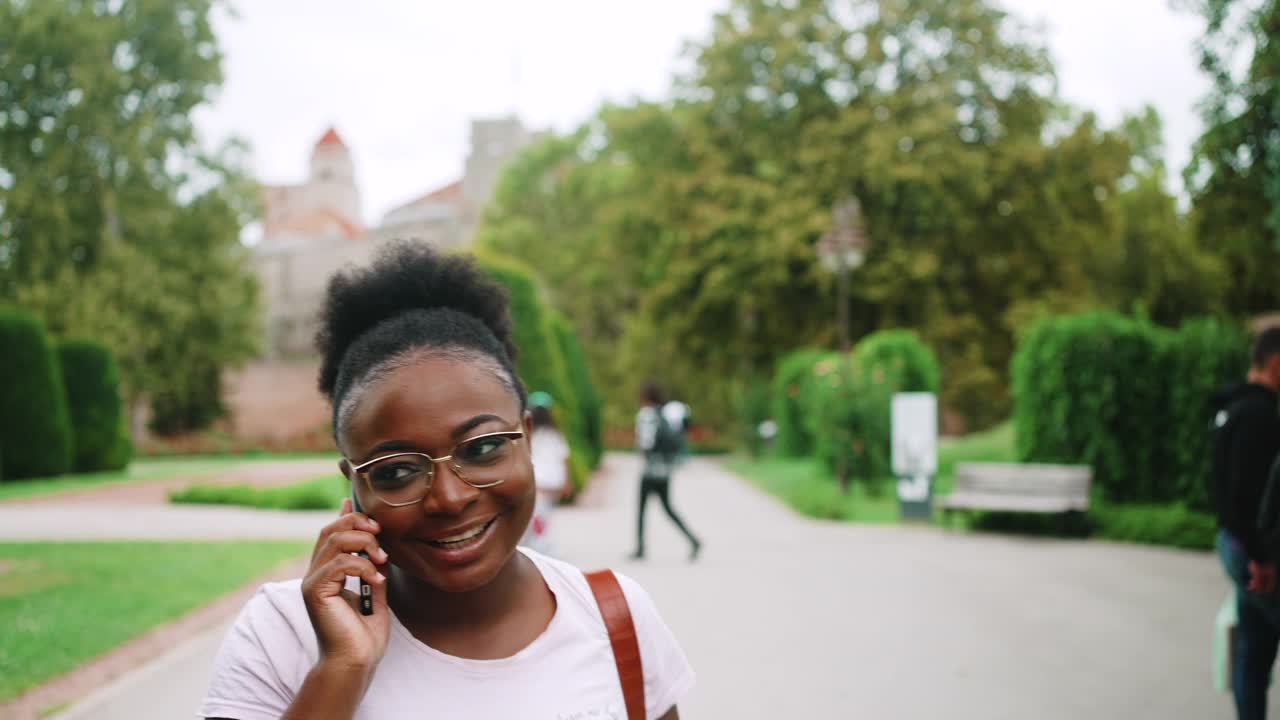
column 807, row 486
column 140, row 470
column 994, row 445
column 324, row 492
column 64, row 603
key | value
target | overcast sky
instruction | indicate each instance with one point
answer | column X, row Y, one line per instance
column 401, row 80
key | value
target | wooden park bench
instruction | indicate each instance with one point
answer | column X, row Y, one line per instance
column 1022, row 488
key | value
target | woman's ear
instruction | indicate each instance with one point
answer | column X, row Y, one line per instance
column 344, row 467
column 527, row 424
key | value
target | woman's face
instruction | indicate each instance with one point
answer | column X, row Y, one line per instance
column 429, row 406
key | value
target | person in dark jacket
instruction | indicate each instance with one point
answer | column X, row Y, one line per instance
column 1246, row 444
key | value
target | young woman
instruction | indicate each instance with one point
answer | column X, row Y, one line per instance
column 431, row 421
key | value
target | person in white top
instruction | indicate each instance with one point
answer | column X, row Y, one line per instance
column 430, row 417
column 550, row 475
column 660, row 430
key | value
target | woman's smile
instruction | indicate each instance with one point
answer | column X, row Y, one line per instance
column 462, row 546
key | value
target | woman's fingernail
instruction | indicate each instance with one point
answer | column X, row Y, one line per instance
column 381, row 577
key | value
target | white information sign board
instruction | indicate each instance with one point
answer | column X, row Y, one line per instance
column 915, row 434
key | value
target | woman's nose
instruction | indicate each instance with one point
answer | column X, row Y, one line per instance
column 449, row 493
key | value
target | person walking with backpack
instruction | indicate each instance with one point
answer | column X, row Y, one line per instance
column 662, row 443
column 1246, row 442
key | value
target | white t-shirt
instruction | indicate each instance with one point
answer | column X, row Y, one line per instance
column 550, row 452
column 566, row 672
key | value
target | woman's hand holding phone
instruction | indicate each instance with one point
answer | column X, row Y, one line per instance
column 346, row 637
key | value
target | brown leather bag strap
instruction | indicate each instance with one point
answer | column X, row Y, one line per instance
column 622, row 636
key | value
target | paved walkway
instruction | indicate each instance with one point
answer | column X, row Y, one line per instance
column 118, row 521
column 787, row 617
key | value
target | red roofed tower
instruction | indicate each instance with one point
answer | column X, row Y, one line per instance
column 333, row 180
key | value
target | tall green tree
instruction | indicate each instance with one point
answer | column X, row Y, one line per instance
column 1155, row 265
column 681, row 237
column 1234, row 174
column 114, row 224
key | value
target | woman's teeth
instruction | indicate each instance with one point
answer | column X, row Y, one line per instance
column 463, row 536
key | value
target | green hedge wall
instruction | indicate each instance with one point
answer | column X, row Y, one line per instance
column 35, row 431
column 1125, row 397
column 542, row 364
column 99, row 428
column 1207, row 353
column 590, row 414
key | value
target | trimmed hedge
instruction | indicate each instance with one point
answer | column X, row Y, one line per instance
column 898, row 360
column 1125, row 397
column 1206, row 354
column 1171, row 525
column 35, row 430
column 853, row 413
column 590, row 419
column 839, row 407
column 319, row 493
column 787, row 403
column 99, row 428
column 542, row 363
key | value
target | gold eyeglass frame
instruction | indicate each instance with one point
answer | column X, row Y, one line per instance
column 513, row 435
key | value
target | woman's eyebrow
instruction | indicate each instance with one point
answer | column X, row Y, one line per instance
column 392, row 446
column 389, row 446
column 473, row 423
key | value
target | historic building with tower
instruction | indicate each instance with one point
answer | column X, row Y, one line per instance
column 314, row 228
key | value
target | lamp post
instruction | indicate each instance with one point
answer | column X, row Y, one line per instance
column 842, row 250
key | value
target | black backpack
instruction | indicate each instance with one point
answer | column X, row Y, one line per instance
column 668, row 441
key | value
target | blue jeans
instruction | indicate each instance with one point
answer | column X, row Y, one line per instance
column 1257, row 634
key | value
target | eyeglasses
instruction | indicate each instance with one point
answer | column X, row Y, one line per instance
column 405, row 478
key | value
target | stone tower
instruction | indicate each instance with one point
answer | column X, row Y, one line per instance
column 327, row 205
column 333, row 181
column 494, row 142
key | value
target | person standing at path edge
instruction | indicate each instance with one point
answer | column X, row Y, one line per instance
column 1246, row 441
column 433, row 426
column 662, row 444
column 551, row 473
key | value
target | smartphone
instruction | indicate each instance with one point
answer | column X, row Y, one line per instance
column 366, row 590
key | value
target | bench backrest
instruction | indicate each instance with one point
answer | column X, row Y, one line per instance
column 1070, row 481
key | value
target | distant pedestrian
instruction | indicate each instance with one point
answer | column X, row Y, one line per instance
column 662, row 443
column 551, row 472
column 1245, row 446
